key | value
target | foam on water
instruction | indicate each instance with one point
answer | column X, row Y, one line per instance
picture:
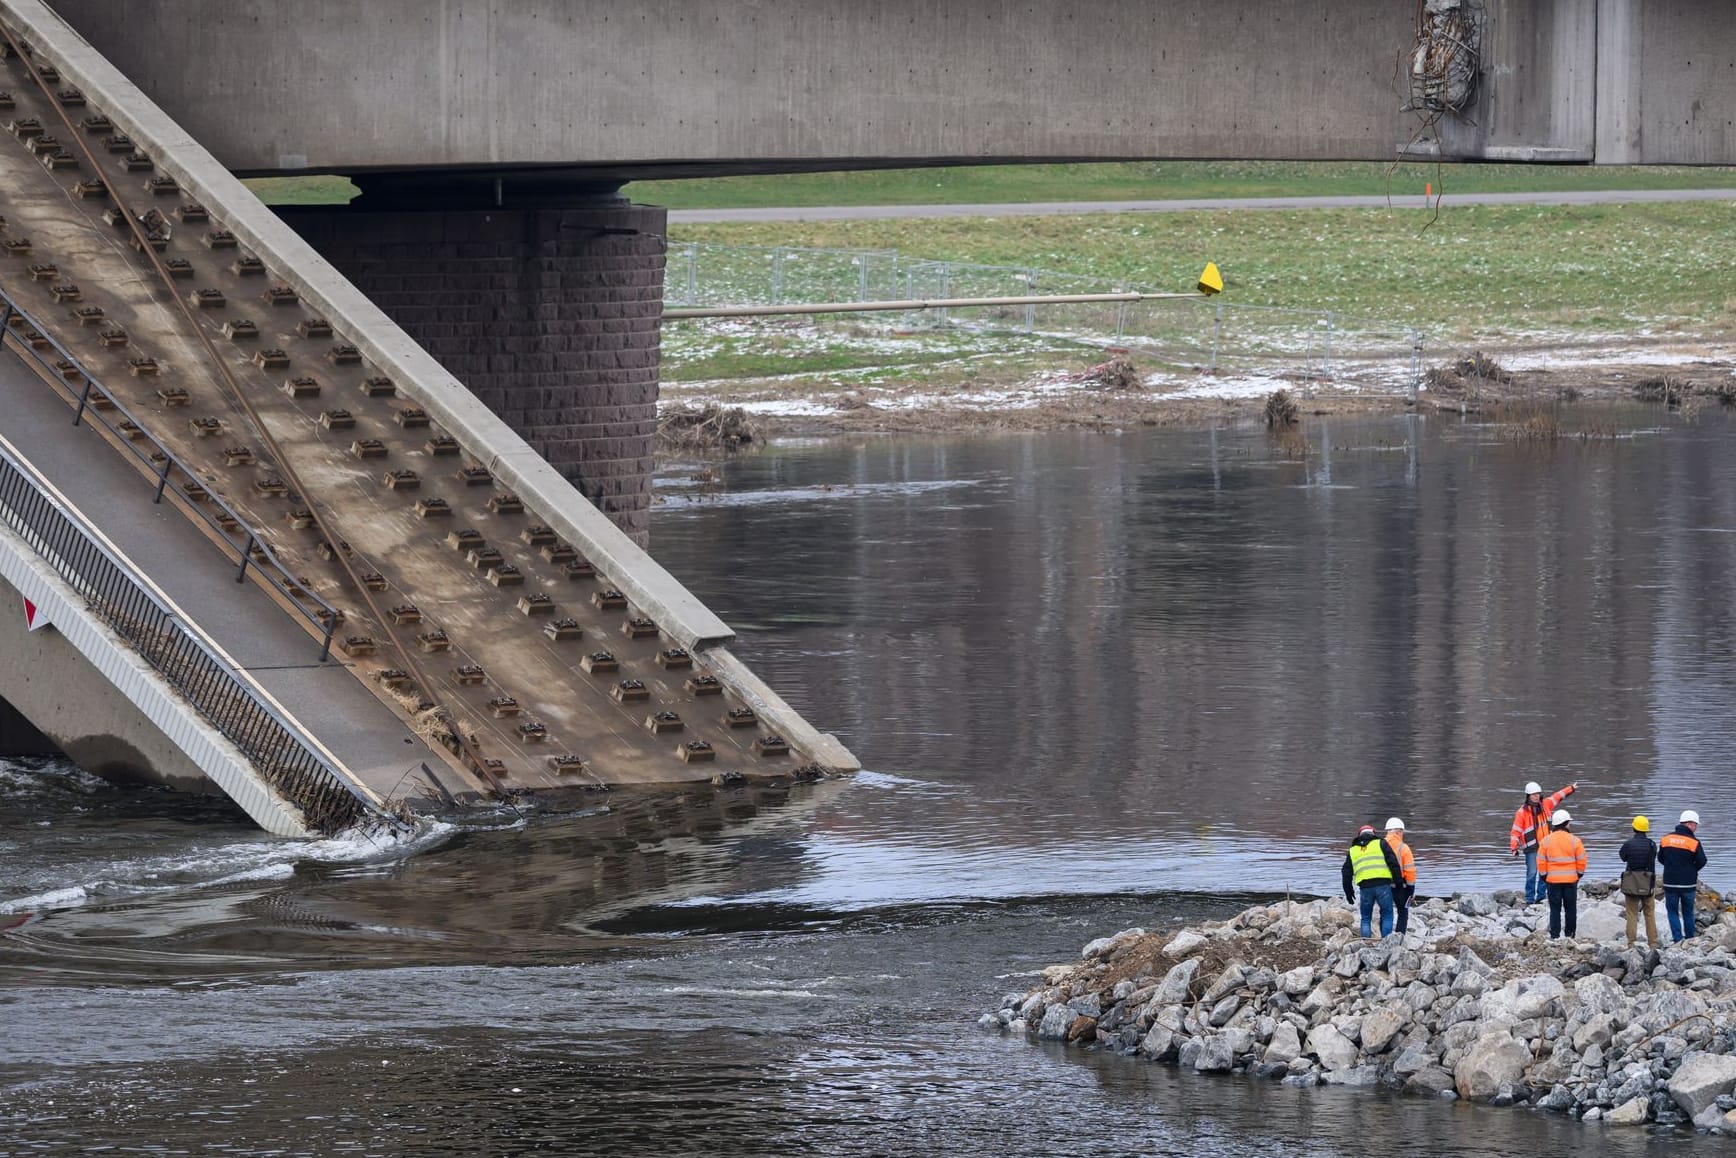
column 215, row 865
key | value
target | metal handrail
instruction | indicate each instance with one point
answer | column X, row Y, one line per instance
column 113, row 591
column 162, row 462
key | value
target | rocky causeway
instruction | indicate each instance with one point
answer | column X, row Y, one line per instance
column 1474, row 1001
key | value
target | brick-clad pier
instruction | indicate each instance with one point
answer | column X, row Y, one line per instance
column 550, row 316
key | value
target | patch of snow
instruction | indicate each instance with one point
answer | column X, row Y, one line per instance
column 787, row 407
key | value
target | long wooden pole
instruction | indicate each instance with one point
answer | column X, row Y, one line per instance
column 911, row 304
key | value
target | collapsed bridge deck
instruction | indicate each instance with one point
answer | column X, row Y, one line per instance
column 468, row 589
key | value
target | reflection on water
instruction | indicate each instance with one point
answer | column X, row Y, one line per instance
column 1191, row 651
column 1100, row 681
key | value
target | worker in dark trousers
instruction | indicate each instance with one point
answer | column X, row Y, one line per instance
column 1371, row 866
column 1683, row 856
column 1561, row 862
column 1404, row 890
column 1530, row 826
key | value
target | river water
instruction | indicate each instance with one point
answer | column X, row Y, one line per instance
column 1098, row 681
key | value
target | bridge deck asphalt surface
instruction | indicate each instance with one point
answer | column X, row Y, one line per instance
column 1064, row 208
column 189, row 568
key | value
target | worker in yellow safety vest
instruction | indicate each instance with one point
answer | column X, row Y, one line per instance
column 1372, row 867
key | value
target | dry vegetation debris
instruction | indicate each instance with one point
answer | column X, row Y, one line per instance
column 707, row 428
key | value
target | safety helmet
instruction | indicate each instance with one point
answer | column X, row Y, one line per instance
column 1393, row 823
column 1532, row 786
column 1560, row 818
column 1689, row 817
column 1365, row 830
column 1641, row 824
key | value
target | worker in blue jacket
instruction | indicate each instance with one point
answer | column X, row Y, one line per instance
column 1683, row 856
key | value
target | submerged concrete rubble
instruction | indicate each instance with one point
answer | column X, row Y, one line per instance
column 1473, row 1002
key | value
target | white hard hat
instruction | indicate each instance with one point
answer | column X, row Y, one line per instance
column 1689, row 817
column 1393, row 822
column 1561, row 817
column 1532, row 786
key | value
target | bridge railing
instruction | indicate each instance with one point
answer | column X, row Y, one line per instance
column 95, row 405
column 278, row 749
column 1181, row 335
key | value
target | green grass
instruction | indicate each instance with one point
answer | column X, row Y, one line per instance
column 1128, row 181
column 700, row 353
column 989, row 184
column 315, row 190
column 755, row 360
column 1477, row 267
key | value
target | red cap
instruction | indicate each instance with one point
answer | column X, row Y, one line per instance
column 1368, row 828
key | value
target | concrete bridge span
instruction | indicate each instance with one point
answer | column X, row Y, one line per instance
column 490, row 137
column 600, row 91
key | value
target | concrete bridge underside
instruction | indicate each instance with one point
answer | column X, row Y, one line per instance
column 610, row 92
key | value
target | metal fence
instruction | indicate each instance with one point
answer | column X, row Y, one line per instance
column 1181, row 334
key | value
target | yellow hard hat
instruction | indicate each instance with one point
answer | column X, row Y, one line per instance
column 1641, row 824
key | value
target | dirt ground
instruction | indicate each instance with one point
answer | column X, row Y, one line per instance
column 1544, row 394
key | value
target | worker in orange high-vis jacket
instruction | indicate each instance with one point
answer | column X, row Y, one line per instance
column 1561, row 858
column 1404, row 889
column 1530, row 826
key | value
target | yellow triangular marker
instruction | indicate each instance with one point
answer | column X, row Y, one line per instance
column 1211, row 281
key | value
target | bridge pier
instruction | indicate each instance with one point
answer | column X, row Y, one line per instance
column 549, row 313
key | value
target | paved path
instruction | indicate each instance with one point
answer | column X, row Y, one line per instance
column 1054, row 208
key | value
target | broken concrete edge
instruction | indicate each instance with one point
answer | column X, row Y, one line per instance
column 143, row 686
column 423, row 380
column 822, row 747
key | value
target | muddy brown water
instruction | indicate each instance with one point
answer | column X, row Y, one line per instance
column 1099, row 681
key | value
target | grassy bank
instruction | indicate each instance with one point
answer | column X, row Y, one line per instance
column 1490, row 276
column 988, row 184
column 316, row 190
column 1500, row 269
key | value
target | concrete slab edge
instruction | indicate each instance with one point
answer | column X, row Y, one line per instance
column 823, row 747
column 422, row 379
column 207, row 748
